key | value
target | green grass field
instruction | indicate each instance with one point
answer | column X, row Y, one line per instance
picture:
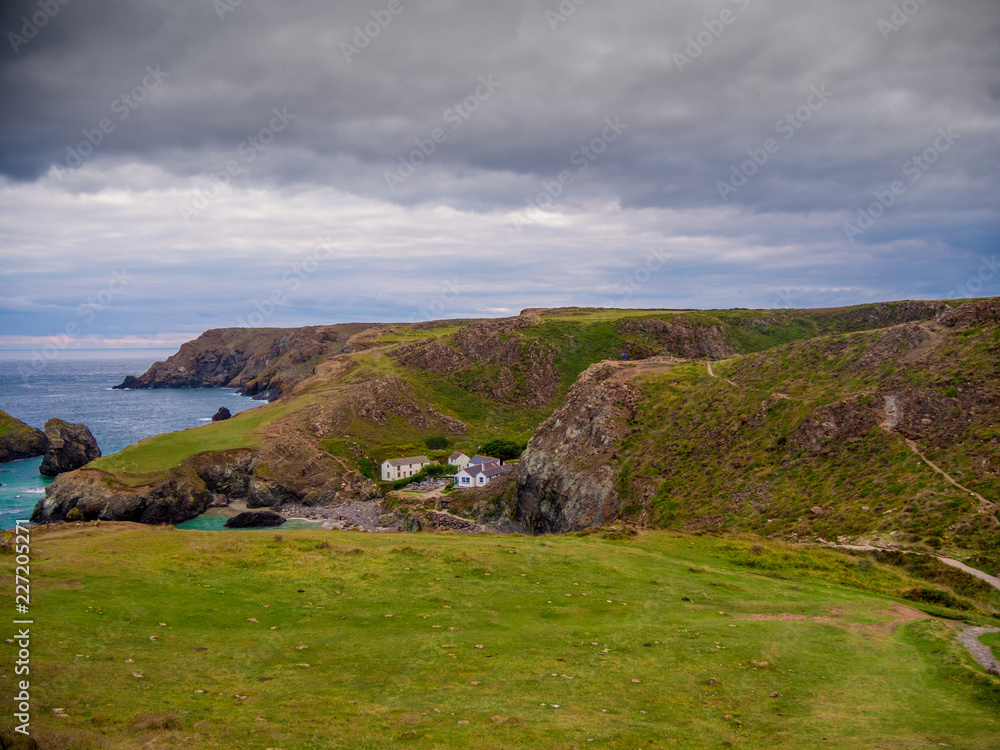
column 663, row 640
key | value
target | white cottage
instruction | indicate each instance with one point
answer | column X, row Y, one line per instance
column 458, row 459
column 400, row 468
column 480, row 475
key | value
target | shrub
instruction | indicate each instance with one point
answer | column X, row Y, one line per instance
column 503, row 449
column 367, row 468
column 436, row 442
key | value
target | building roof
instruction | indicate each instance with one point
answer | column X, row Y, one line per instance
column 455, row 455
column 494, row 471
column 473, row 470
column 482, row 459
column 408, row 461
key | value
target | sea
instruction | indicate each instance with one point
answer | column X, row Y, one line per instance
column 78, row 386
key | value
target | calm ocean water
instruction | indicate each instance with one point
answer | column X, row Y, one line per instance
column 77, row 387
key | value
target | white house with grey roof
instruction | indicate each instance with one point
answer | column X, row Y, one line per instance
column 401, row 468
column 480, row 475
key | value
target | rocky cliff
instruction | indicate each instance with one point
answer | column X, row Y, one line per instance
column 18, row 440
column 289, row 470
column 803, row 424
column 566, row 476
column 887, row 435
column 260, row 362
column 675, row 337
column 499, row 359
column 69, row 446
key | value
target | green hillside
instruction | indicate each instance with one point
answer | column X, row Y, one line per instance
column 308, row 640
column 789, row 441
column 517, row 374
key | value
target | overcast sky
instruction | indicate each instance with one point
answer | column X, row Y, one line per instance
column 169, row 166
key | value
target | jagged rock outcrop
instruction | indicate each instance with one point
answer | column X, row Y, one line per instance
column 827, row 428
column 983, row 312
column 98, row 497
column 676, row 337
column 446, row 521
column 376, row 401
column 18, row 440
column 70, row 446
column 257, row 520
column 516, row 370
column 260, row 362
column 179, row 496
column 222, row 414
column 882, row 314
column 565, row 480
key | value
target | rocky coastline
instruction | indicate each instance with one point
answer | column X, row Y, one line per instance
column 18, row 440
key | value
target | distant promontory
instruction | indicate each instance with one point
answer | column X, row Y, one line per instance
column 263, row 363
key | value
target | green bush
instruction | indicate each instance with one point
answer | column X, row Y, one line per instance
column 436, row 442
column 367, row 468
column 503, row 449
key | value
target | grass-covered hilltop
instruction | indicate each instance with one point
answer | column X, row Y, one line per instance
column 18, row 440
column 786, row 423
column 675, row 583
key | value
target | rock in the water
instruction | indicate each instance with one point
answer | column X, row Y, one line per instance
column 70, row 446
column 260, row 520
column 222, row 413
column 18, row 440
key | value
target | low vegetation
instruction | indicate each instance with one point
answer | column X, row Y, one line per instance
column 305, row 640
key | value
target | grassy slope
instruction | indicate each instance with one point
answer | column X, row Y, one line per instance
column 13, row 428
column 149, row 458
column 373, row 679
column 755, row 480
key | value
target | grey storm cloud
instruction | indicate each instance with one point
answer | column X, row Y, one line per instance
column 698, row 84
column 746, row 136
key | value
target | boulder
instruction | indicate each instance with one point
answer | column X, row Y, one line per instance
column 260, row 520
column 18, row 440
column 70, row 446
column 221, row 414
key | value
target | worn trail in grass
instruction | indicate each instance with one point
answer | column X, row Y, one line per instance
column 483, row 642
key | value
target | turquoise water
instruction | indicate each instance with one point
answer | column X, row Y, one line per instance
column 215, row 519
column 77, row 386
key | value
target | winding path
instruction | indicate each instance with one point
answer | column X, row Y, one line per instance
column 979, row 650
column 985, row 506
column 712, row 373
column 970, row 636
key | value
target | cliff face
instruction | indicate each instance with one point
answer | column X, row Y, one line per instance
column 18, row 440
column 566, row 477
column 840, row 437
column 260, row 362
column 290, row 469
column 489, row 358
column 70, row 446
column 678, row 338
